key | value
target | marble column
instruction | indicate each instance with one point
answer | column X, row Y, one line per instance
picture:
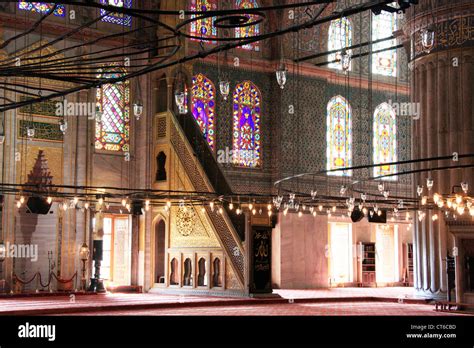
column 443, row 83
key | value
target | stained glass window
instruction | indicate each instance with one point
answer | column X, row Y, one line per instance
column 202, row 97
column 339, row 135
column 339, row 37
column 115, row 17
column 384, row 63
column 42, row 7
column 113, row 101
column 385, row 139
column 251, row 30
column 204, row 27
column 246, row 131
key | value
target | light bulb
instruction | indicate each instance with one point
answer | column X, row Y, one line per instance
column 334, row 209
column 137, row 109
column 364, row 210
column 460, row 210
column 269, row 213
column 211, row 205
column 147, row 203
column 424, row 200
column 250, row 206
column 101, row 201
column 75, row 200
column 434, row 217
column 269, row 207
column 203, row 210
column 320, row 208
column 254, row 211
column 124, row 202
column 300, row 214
column 345, row 60
column 18, row 204
column 224, row 88
column 231, row 206
column 49, row 200
column 22, row 199
column 471, row 211
column 429, row 183
column 427, row 39
column 128, row 206
column 86, row 205
column 436, row 197
column 221, row 210
column 285, row 211
column 458, row 199
column 314, row 213
column 419, row 190
column 380, row 187
column 281, row 75
column 379, row 213
column 343, row 190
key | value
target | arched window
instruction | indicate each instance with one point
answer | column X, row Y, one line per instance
column 339, row 37
column 339, row 135
column 203, row 28
column 385, row 139
column 188, row 273
column 115, row 17
column 246, row 131
column 113, row 101
column 42, row 7
column 174, row 276
column 202, row 279
column 384, row 63
column 203, row 106
column 216, row 275
column 251, row 30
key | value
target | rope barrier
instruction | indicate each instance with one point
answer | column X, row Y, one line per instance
column 51, row 275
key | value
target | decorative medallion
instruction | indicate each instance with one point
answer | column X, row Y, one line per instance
column 185, row 220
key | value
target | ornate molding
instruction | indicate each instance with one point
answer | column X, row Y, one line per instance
column 227, row 237
column 454, row 33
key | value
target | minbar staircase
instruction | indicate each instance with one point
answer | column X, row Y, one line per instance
column 206, row 176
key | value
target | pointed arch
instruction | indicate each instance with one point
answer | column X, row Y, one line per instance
column 113, row 101
column 339, row 37
column 246, row 130
column 203, row 28
column 383, row 25
column 385, row 139
column 203, row 106
column 251, row 30
column 339, row 135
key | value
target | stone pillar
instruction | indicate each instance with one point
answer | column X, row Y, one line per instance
column 443, row 83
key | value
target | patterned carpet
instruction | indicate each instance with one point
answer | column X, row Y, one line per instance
column 336, row 301
column 295, row 309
